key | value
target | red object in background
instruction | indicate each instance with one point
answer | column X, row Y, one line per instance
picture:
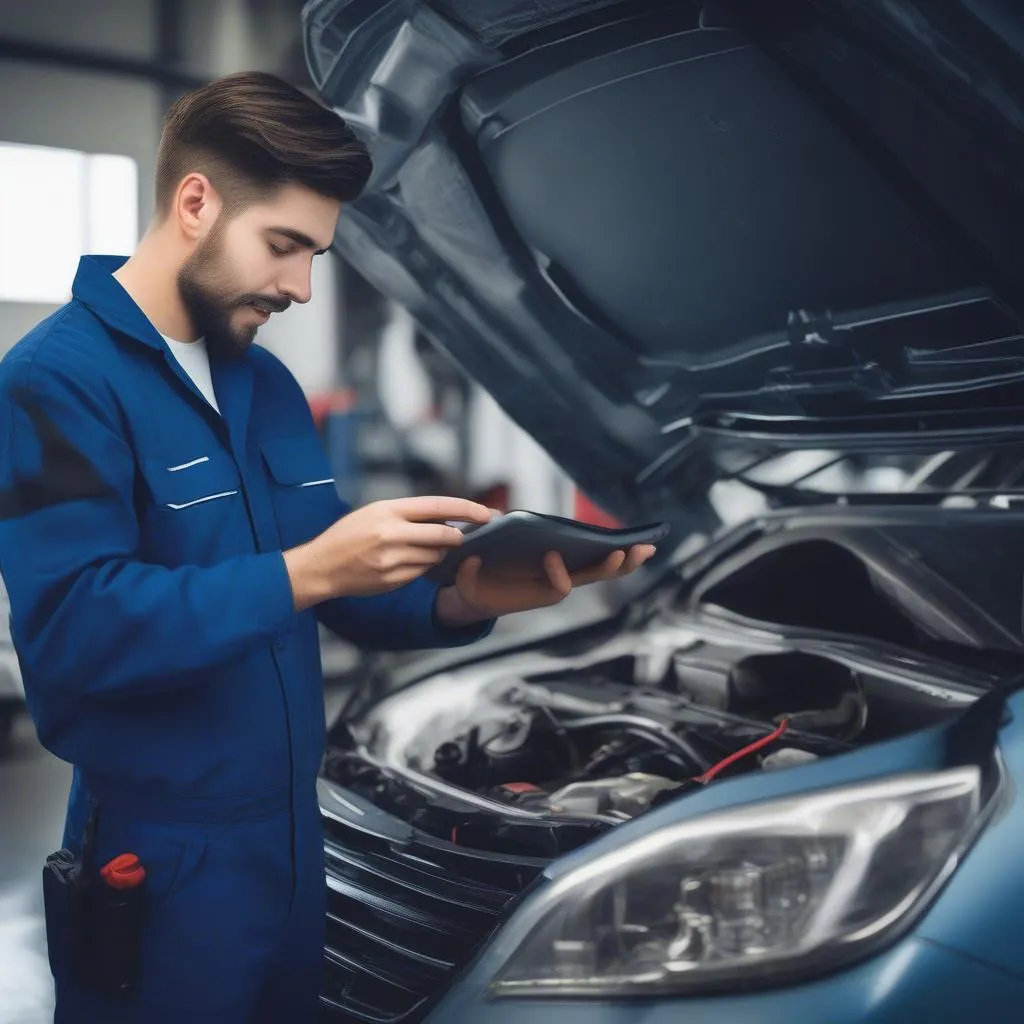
column 494, row 497
column 123, row 872
column 322, row 405
column 587, row 512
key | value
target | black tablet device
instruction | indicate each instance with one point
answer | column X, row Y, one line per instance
column 521, row 540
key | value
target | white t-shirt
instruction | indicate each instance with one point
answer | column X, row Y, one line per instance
column 195, row 361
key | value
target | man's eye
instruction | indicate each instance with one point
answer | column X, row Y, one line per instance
column 277, row 250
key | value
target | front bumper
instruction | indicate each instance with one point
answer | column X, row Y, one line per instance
column 916, row 979
column 416, row 931
column 405, row 912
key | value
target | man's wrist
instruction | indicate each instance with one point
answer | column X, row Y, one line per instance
column 453, row 612
column 309, row 583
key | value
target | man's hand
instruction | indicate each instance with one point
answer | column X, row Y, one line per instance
column 378, row 548
column 481, row 593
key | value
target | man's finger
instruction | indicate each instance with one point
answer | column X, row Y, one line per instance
column 438, row 508
column 605, row 571
column 468, row 577
column 613, row 563
column 434, row 535
column 558, row 575
column 417, row 557
column 638, row 554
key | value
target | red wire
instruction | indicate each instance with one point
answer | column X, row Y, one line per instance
column 750, row 749
column 721, row 766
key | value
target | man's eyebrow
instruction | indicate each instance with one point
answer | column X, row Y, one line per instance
column 298, row 236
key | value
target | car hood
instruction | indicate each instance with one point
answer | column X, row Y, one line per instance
column 677, row 241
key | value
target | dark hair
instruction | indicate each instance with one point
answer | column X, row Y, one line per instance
column 251, row 133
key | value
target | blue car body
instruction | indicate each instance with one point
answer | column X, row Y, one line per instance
column 750, row 268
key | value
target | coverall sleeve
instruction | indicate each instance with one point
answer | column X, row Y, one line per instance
column 400, row 620
column 87, row 615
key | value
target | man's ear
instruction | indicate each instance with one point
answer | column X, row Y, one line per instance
column 196, row 206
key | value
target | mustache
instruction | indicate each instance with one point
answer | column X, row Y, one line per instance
column 266, row 303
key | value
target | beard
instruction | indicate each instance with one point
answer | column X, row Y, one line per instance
column 205, row 286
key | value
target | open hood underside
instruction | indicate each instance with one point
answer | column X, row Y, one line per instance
column 656, row 230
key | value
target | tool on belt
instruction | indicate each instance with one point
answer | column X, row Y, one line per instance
column 94, row 922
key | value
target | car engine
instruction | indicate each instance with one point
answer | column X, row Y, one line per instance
column 537, row 751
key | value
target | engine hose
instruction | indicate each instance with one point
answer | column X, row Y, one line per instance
column 644, row 727
column 849, row 716
column 796, row 737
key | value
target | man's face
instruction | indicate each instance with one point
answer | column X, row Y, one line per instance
column 256, row 264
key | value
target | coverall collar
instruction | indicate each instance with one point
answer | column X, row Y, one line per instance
column 96, row 287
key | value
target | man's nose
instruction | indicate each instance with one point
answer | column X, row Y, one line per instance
column 297, row 286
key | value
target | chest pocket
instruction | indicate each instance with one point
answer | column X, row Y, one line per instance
column 193, row 512
column 302, row 488
column 184, row 486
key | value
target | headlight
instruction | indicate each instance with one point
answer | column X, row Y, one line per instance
column 804, row 883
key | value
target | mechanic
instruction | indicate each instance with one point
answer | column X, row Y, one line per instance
column 170, row 539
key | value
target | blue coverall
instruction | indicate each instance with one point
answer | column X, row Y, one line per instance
column 141, row 540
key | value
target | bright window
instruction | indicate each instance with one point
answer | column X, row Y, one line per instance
column 55, row 205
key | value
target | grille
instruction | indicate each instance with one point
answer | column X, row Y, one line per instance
column 402, row 920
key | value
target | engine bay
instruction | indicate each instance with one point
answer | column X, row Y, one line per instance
column 535, row 752
column 557, row 747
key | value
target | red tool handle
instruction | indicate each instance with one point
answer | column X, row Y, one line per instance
column 123, row 872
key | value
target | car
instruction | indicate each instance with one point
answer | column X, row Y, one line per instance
column 751, row 269
column 12, row 690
